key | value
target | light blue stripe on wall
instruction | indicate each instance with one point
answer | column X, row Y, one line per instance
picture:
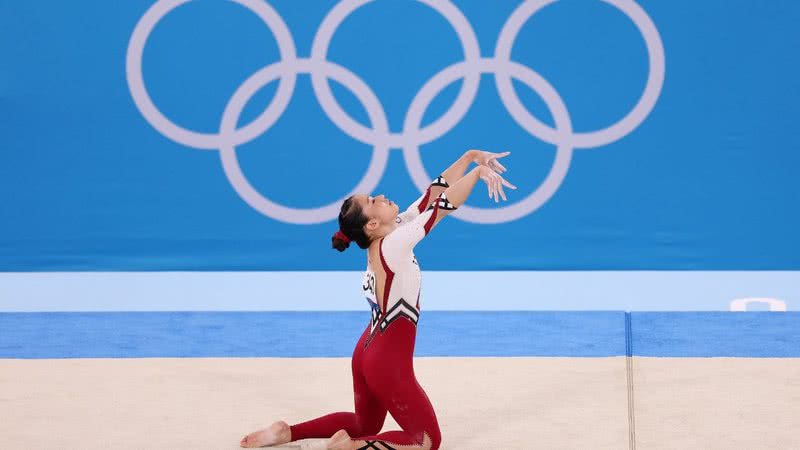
column 340, row 291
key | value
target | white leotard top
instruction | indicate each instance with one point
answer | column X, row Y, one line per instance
column 402, row 290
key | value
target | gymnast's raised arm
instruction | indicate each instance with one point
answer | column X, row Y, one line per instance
column 452, row 175
column 403, row 240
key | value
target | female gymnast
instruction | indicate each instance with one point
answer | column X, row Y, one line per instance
column 382, row 363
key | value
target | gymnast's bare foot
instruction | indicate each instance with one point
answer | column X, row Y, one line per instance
column 276, row 434
column 341, row 441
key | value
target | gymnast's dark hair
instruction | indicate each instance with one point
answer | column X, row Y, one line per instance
column 351, row 223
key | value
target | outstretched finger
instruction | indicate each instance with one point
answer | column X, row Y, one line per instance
column 496, row 166
column 496, row 187
column 488, row 185
column 500, row 188
column 507, row 184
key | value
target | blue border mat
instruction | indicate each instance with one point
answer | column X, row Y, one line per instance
column 752, row 334
column 333, row 334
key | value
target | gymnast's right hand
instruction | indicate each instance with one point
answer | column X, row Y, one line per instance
column 494, row 182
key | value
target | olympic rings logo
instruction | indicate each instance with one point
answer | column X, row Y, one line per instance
column 378, row 135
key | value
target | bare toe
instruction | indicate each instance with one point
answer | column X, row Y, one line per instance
column 276, row 434
column 252, row 440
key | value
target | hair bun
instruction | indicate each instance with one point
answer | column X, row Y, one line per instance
column 340, row 241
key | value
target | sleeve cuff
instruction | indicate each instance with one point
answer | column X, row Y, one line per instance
column 440, row 181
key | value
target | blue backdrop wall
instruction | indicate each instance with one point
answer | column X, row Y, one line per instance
column 145, row 136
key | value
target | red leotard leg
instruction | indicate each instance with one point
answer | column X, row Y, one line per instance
column 369, row 415
column 389, row 369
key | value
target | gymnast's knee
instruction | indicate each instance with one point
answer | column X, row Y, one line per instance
column 436, row 440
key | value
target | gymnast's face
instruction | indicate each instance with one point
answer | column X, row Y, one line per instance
column 379, row 210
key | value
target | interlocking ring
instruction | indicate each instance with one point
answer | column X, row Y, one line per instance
column 378, row 135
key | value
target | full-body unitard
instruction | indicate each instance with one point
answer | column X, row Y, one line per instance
column 382, row 364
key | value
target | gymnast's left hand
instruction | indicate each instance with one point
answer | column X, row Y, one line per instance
column 489, row 159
